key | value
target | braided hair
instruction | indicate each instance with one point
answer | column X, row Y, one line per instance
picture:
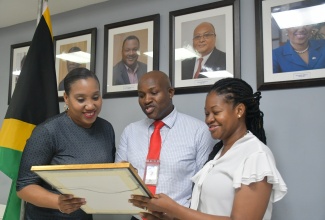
column 237, row 91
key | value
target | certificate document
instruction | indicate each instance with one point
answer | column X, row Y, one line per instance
column 106, row 187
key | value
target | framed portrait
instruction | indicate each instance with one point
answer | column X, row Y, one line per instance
column 290, row 44
column 131, row 49
column 203, row 41
column 18, row 54
column 72, row 50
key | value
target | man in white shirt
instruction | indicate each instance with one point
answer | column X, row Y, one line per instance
column 185, row 141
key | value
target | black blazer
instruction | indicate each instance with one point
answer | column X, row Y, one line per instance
column 216, row 62
column 120, row 75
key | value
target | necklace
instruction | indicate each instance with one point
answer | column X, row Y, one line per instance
column 302, row 51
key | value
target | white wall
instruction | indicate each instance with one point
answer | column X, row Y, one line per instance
column 294, row 120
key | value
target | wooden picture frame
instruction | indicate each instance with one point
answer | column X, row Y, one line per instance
column 18, row 53
column 224, row 40
column 106, row 187
column 279, row 65
column 82, row 46
column 136, row 40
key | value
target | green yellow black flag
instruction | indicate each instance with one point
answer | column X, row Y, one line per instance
column 35, row 99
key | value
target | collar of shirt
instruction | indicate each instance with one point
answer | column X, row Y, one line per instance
column 129, row 70
column 169, row 120
column 205, row 58
column 133, row 77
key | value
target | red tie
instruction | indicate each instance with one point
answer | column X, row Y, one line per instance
column 155, row 146
column 199, row 67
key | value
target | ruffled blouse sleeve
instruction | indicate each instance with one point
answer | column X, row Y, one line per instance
column 257, row 166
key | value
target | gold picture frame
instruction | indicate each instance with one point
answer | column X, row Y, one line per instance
column 106, row 187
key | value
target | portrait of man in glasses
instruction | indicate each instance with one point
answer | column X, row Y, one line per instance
column 209, row 58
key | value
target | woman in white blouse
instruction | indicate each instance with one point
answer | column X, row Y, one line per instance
column 241, row 180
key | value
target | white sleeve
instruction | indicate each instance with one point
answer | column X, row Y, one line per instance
column 204, row 143
column 257, row 166
column 121, row 151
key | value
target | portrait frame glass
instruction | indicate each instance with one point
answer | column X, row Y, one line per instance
column 17, row 53
column 222, row 14
column 82, row 46
column 271, row 34
column 146, row 29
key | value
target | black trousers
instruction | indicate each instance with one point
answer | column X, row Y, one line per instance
column 133, row 218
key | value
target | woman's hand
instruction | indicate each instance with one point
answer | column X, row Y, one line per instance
column 159, row 203
column 68, row 203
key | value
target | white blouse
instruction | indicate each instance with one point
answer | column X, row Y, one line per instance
column 247, row 161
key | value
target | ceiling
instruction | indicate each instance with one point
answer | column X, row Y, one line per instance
column 18, row 11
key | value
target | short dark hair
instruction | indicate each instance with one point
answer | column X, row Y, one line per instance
column 74, row 49
column 77, row 74
column 131, row 37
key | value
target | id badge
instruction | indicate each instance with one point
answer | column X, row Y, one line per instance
column 151, row 172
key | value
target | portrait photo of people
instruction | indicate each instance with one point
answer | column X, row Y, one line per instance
column 17, row 60
column 131, row 49
column 130, row 62
column 208, row 47
column 66, row 64
column 15, row 75
column 298, row 43
column 203, row 50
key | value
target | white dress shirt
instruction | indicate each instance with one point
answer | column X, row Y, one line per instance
column 186, row 144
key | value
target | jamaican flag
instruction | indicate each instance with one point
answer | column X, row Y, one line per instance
column 35, row 99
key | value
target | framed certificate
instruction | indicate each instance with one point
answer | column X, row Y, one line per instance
column 106, row 187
